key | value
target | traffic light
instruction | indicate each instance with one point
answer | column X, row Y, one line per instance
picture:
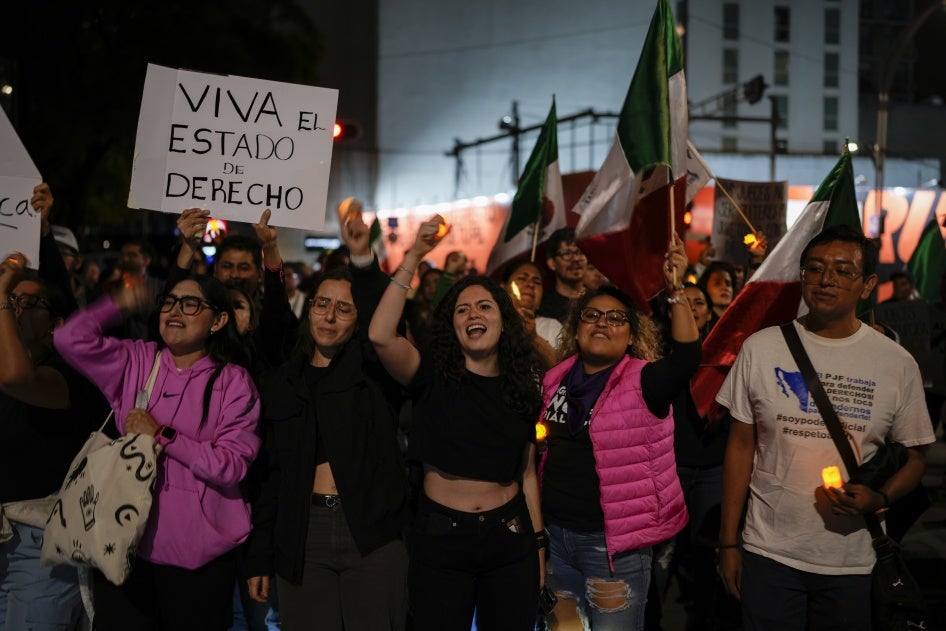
column 345, row 130
column 754, row 88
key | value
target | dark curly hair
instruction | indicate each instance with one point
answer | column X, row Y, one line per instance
column 519, row 364
column 646, row 342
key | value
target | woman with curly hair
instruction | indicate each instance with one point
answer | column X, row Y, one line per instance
column 477, row 541
column 609, row 483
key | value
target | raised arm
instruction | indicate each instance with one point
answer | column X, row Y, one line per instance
column 682, row 325
column 52, row 269
column 191, row 224
column 19, row 378
column 399, row 357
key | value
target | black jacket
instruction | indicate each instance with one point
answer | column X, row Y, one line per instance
column 355, row 405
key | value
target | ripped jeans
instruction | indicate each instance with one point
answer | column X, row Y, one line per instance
column 578, row 572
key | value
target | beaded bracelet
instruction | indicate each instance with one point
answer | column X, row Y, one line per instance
column 403, row 286
column 677, row 297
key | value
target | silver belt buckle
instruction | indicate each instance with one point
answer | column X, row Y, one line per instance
column 332, row 501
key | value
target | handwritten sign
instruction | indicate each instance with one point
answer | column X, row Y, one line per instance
column 235, row 146
column 19, row 223
column 764, row 203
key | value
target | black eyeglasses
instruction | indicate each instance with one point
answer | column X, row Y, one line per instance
column 190, row 305
column 570, row 255
column 28, row 301
column 614, row 317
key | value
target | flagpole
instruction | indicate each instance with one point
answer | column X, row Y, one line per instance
column 673, row 226
column 735, row 205
column 535, row 237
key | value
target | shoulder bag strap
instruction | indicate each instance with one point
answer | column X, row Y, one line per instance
column 144, row 396
column 826, row 409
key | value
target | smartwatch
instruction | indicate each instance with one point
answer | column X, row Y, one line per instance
column 165, row 435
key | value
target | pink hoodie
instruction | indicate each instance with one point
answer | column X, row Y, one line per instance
column 198, row 512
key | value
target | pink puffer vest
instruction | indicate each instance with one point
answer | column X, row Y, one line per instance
column 640, row 493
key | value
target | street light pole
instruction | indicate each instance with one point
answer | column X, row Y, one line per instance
column 773, row 135
column 886, row 74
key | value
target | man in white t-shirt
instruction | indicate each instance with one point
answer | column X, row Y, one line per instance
column 806, row 554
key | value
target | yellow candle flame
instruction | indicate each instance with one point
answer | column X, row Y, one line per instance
column 515, row 290
column 443, row 229
column 749, row 239
column 541, row 431
column 832, row 477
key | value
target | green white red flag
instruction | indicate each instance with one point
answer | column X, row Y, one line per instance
column 538, row 201
column 928, row 262
column 773, row 295
column 624, row 226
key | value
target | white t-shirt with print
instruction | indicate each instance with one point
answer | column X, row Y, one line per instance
column 876, row 389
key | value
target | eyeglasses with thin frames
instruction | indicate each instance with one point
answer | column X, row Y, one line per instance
column 814, row 273
column 28, row 301
column 570, row 255
column 190, row 305
column 614, row 317
column 320, row 305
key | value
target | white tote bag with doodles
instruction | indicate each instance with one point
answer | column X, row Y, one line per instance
column 104, row 502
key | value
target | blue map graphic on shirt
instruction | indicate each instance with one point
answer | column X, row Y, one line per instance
column 796, row 384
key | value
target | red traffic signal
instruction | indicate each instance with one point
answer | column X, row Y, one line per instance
column 345, row 130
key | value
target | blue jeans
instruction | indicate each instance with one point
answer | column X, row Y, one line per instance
column 34, row 597
column 578, row 572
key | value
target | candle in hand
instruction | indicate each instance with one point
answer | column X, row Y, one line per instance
column 832, row 477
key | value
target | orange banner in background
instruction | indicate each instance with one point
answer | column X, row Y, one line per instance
column 475, row 224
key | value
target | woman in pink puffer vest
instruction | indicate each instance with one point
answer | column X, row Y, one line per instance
column 609, row 481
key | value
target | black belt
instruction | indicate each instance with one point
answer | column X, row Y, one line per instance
column 326, row 501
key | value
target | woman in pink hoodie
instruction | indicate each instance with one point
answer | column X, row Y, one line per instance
column 204, row 411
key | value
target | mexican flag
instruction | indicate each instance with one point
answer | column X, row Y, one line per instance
column 376, row 240
column 538, row 200
column 773, row 295
column 624, row 226
column 928, row 262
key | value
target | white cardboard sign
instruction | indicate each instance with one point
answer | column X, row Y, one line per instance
column 235, row 146
column 19, row 223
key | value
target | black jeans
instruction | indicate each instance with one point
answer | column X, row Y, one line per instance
column 158, row 597
column 341, row 589
column 464, row 561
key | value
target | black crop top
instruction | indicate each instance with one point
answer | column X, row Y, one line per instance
column 312, row 376
column 468, row 431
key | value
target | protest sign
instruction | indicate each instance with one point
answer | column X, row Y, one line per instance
column 235, row 146
column 764, row 203
column 19, row 223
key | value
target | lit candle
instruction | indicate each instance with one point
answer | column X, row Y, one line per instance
column 349, row 210
column 443, row 229
column 541, row 431
column 515, row 290
column 832, row 477
column 750, row 240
